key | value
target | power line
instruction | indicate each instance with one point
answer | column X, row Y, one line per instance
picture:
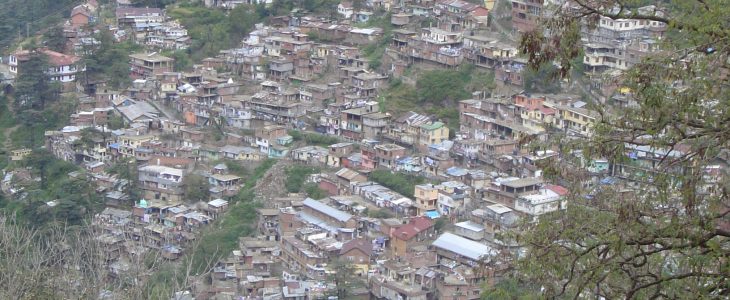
column 37, row 21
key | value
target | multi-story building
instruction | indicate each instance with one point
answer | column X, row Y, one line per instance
column 352, row 121
column 143, row 65
column 266, row 137
column 405, row 237
column 61, row 67
column 576, row 120
column 431, row 133
column 526, row 14
column 161, row 182
column 426, row 197
column 386, row 155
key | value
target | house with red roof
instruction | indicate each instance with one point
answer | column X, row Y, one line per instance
column 358, row 252
column 534, row 111
column 61, row 67
column 418, row 230
column 81, row 16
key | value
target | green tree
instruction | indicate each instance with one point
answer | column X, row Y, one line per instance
column 667, row 235
column 115, row 122
column 345, row 278
column 127, row 171
column 544, row 79
column 33, row 86
column 54, row 39
column 509, row 288
column 197, row 188
column 314, row 191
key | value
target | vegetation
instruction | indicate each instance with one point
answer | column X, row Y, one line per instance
column 542, row 79
column 345, row 278
column 510, row 288
column 127, row 170
column 296, row 175
column 374, row 52
column 667, row 237
column 221, row 238
column 33, row 86
column 21, row 17
column 313, row 138
column 211, row 30
column 71, row 199
column 436, row 93
column 197, row 188
column 110, row 60
column 314, row 191
column 54, row 39
column 380, row 213
column 402, row 183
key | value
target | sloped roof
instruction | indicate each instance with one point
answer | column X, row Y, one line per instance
column 327, row 210
column 413, row 228
column 134, row 111
column 462, row 246
column 362, row 244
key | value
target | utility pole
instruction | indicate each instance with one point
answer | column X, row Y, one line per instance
column 27, row 30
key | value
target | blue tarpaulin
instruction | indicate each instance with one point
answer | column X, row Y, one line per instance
column 432, row 214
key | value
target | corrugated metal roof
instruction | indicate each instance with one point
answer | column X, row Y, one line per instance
column 462, row 246
column 327, row 210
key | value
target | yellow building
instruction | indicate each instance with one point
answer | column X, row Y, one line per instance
column 128, row 144
column 576, row 120
column 240, row 153
column 426, row 196
column 20, row 154
column 537, row 119
column 433, row 133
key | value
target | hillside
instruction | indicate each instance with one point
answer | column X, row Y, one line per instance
column 19, row 17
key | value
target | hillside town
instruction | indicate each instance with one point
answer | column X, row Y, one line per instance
column 415, row 205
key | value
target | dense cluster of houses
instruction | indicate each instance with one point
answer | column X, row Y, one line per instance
column 308, row 74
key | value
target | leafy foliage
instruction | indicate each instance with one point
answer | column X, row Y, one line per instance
column 75, row 198
column 32, row 124
column 197, row 188
column 665, row 236
column 111, row 60
column 17, row 16
column 436, row 93
column 404, row 184
column 544, row 79
column 314, row 191
column 296, row 176
column 33, row 86
column 211, row 30
column 54, row 39
column 374, row 52
column 313, row 138
column 345, row 278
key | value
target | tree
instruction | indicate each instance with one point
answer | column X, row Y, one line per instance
column 127, row 170
column 509, row 288
column 33, row 85
column 668, row 236
column 54, row 39
column 345, row 278
column 197, row 188
column 542, row 80
column 115, row 122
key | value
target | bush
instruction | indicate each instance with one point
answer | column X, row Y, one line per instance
column 313, row 138
column 402, row 183
column 296, row 176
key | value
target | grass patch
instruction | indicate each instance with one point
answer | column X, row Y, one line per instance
column 313, row 138
column 436, row 93
column 404, row 184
